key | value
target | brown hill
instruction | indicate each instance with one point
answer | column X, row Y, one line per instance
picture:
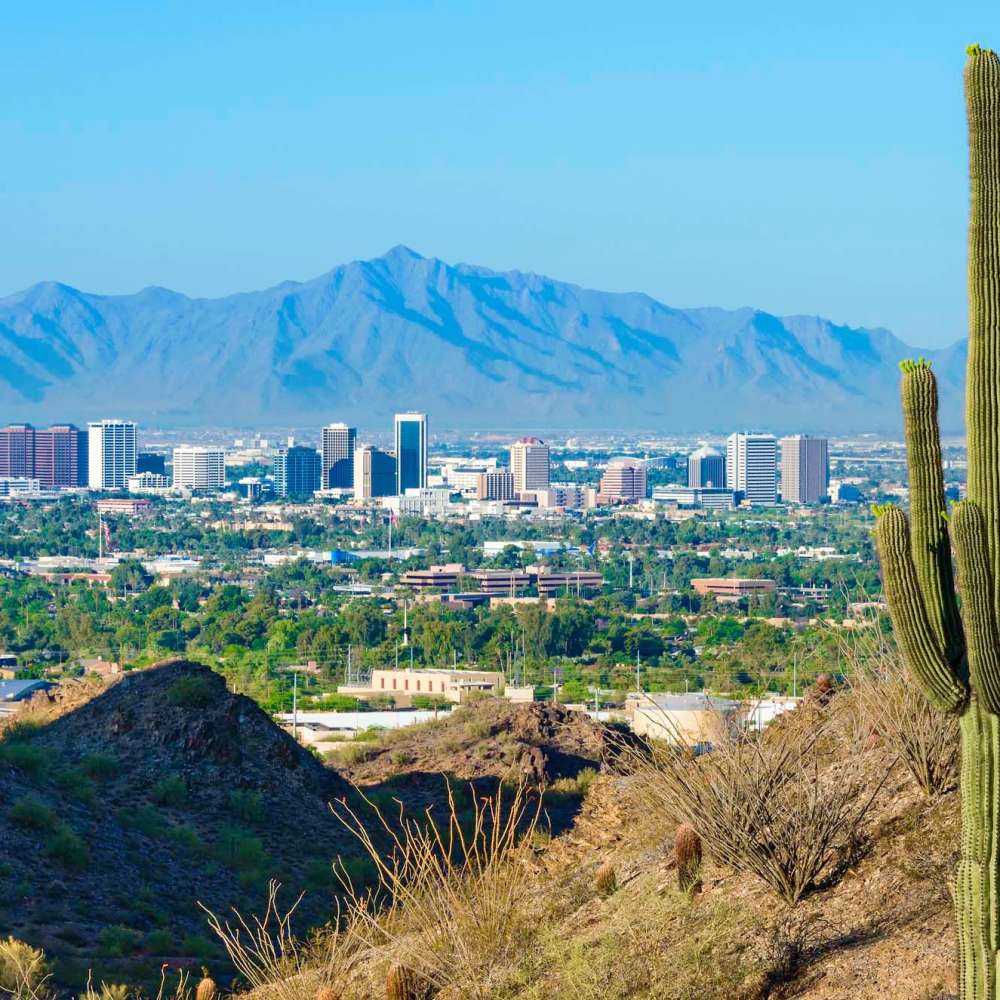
column 120, row 815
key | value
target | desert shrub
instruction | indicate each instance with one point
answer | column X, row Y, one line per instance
column 240, row 850
column 100, row 766
column 192, row 691
column 573, row 788
column 197, row 946
column 146, row 819
column 72, row 781
column 159, row 942
column 247, row 806
column 889, row 707
column 117, row 941
column 169, row 791
column 185, row 836
column 25, row 756
column 67, row 847
column 274, row 963
column 32, row 814
column 455, row 897
column 355, row 753
column 779, row 807
column 24, row 971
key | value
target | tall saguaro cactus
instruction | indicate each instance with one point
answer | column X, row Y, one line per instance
column 955, row 654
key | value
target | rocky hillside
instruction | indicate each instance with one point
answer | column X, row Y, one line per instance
column 163, row 791
column 473, row 347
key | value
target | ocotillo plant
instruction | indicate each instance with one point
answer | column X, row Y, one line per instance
column 955, row 656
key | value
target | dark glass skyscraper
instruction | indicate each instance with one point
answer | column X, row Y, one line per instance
column 411, row 451
column 297, row 471
column 338, row 456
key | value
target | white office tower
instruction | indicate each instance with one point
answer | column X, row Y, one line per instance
column 337, row 448
column 805, row 469
column 112, row 448
column 199, row 468
column 752, row 468
column 411, row 451
column 530, row 465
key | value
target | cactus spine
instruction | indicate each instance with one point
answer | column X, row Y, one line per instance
column 955, row 657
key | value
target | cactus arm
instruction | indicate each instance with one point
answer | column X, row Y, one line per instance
column 911, row 623
column 982, row 402
column 976, row 583
column 928, row 527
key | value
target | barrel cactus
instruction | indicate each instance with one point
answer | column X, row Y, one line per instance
column 605, row 879
column 687, row 857
column 953, row 652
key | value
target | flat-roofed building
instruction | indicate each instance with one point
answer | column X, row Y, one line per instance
column 501, row 581
column 695, row 497
column 624, row 481
column 403, row 685
column 374, row 473
column 434, row 577
column 530, row 464
column 732, row 588
column 112, row 453
column 495, row 485
column 706, row 468
column 805, row 469
column 552, row 584
column 690, row 720
column 337, row 448
column 752, row 468
column 199, row 468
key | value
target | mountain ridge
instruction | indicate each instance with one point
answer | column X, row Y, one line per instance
column 473, row 347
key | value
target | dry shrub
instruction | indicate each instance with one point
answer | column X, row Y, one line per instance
column 891, row 708
column 452, row 899
column 605, row 879
column 789, row 809
column 275, row 965
column 24, row 971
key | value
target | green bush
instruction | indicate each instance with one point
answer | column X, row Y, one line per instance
column 146, row 819
column 194, row 691
column 32, row 814
column 360, row 871
column 248, row 806
column 169, row 791
column 159, row 942
column 238, row 849
column 66, row 847
column 26, row 757
column 185, row 836
column 99, row 766
column 196, row 946
column 72, row 781
column 117, row 941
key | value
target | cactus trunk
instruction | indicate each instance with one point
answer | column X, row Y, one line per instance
column 955, row 657
column 976, row 889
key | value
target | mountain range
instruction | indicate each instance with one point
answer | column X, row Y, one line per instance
column 475, row 348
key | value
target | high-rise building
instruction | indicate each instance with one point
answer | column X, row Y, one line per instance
column 112, row 447
column 17, row 451
column 497, row 484
column 805, row 469
column 338, row 456
column 151, row 461
column 529, row 463
column 61, row 456
column 297, row 471
column 706, row 468
column 411, row 451
column 752, row 468
column 624, row 479
column 198, row 468
column 374, row 473
column 56, row 456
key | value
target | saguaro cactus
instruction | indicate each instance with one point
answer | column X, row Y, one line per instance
column 955, row 656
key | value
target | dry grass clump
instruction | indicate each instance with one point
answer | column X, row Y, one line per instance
column 786, row 809
column 24, row 971
column 452, row 901
column 605, row 879
column 889, row 707
column 275, row 965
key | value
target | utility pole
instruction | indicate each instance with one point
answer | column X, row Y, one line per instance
column 295, row 704
column 638, row 685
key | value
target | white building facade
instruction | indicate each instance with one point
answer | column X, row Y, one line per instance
column 197, row 468
column 112, row 450
column 752, row 468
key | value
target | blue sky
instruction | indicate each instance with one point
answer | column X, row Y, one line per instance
column 795, row 157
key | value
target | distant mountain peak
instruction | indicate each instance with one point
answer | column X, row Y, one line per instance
column 475, row 348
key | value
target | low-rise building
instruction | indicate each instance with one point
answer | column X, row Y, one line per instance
column 729, row 589
column 693, row 720
column 404, row 684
